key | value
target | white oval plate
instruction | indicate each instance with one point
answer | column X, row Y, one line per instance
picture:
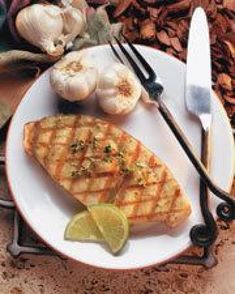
column 47, row 209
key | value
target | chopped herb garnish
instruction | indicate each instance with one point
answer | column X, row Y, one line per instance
column 126, row 170
column 140, row 164
column 77, row 146
column 120, row 154
column 140, row 181
column 95, row 142
column 107, row 148
column 107, row 159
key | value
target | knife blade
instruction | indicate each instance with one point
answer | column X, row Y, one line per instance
column 198, row 78
column 198, row 98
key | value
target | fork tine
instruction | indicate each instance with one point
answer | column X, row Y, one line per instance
column 115, row 52
column 134, row 65
column 148, row 68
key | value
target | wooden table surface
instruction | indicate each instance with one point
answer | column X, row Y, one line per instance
column 37, row 274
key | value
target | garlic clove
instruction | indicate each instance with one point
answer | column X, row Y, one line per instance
column 41, row 25
column 118, row 90
column 74, row 77
column 74, row 23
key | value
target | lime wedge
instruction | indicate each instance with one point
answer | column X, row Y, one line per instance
column 112, row 224
column 82, row 228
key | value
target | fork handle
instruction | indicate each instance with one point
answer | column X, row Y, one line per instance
column 226, row 210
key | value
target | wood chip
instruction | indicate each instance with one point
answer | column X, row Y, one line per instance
column 225, row 81
column 163, row 38
column 231, row 48
column 122, row 7
column 176, row 44
column 229, row 4
column 147, row 30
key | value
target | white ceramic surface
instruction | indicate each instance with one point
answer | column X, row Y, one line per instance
column 47, row 209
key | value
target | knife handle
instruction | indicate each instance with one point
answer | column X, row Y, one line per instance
column 205, row 147
column 204, row 192
column 226, row 210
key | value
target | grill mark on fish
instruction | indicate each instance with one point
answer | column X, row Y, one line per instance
column 158, row 192
column 35, row 138
column 62, row 159
column 82, row 158
column 104, row 195
column 126, row 179
column 135, row 158
column 82, row 125
column 51, row 140
column 176, row 195
column 151, row 216
column 93, row 176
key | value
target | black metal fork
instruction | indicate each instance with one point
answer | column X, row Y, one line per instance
column 225, row 210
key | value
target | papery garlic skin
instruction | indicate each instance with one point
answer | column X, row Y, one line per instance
column 118, row 90
column 42, row 25
column 74, row 77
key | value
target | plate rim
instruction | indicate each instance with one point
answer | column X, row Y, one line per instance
column 18, row 210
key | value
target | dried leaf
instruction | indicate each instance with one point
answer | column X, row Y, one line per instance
column 176, row 44
column 99, row 29
column 225, row 81
column 17, row 57
column 5, row 113
column 163, row 38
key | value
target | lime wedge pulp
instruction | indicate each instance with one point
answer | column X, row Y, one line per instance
column 112, row 224
column 82, row 228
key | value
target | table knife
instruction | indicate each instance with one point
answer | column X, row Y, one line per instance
column 198, row 94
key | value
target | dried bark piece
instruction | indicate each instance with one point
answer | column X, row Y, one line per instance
column 122, row 7
column 147, row 30
column 229, row 4
column 176, row 44
column 225, row 81
column 163, row 38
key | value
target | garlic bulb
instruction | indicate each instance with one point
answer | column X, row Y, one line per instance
column 118, row 89
column 42, row 26
column 74, row 77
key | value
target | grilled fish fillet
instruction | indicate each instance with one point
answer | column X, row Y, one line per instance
column 95, row 161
